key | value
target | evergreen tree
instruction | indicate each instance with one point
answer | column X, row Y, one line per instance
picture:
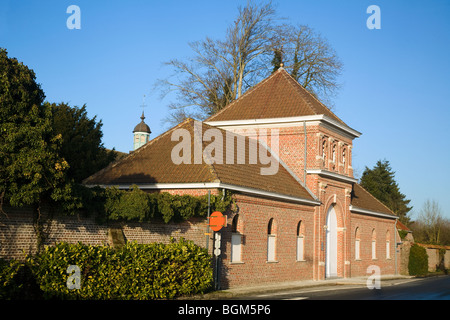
column 81, row 141
column 380, row 182
column 31, row 170
column 277, row 60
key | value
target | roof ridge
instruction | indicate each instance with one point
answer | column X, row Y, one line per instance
column 313, row 96
column 376, row 199
column 296, row 87
column 247, row 93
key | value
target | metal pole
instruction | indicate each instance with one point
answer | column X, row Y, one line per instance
column 217, row 253
column 216, row 280
column 207, row 224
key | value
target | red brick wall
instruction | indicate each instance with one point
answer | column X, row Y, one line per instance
column 17, row 236
column 367, row 224
column 292, row 147
column 330, row 192
column 254, row 215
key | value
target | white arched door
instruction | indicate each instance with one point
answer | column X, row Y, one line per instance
column 331, row 249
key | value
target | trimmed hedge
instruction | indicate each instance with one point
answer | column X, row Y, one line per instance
column 418, row 261
column 134, row 271
column 112, row 204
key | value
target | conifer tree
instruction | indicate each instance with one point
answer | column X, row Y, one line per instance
column 82, row 145
column 380, row 182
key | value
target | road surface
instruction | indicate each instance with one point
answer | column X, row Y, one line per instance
column 432, row 288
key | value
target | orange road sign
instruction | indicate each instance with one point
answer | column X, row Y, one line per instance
column 217, row 220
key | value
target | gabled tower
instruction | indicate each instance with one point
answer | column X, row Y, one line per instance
column 141, row 133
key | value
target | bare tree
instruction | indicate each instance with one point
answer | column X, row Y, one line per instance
column 220, row 71
column 310, row 59
column 431, row 221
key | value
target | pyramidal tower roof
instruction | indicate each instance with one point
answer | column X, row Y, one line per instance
column 278, row 96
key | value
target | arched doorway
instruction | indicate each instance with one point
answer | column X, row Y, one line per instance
column 332, row 244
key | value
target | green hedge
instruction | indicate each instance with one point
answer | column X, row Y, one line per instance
column 134, row 271
column 418, row 261
column 112, row 204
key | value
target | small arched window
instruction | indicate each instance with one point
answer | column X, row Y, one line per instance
column 234, row 224
column 236, row 240
column 300, row 242
column 333, row 154
column 271, row 240
column 324, row 151
column 270, row 227
column 388, row 245
column 357, row 244
column 374, row 244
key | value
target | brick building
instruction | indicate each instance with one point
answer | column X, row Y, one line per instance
column 299, row 214
column 308, row 219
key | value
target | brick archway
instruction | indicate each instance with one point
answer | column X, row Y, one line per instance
column 331, row 248
column 333, row 237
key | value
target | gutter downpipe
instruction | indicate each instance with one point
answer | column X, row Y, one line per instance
column 306, row 140
column 396, row 246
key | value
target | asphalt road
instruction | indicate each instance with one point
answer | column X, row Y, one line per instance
column 432, row 288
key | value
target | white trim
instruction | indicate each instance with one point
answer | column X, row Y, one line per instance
column 292, row 120
column 149, row 186
column 268, row 194
column 332, row 175
column 372, row 213
column 214, row 185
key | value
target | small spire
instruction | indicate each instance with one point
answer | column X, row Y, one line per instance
column 143, row 105
column 281, row 54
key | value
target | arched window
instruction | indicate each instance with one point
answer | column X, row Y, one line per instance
column 344, row 159
column 357, row 244
column 271, row 240
column 374, row 244
column 324, row 152
column 236, row 240
column 388, row 245
column 234, row 224
column 300, row 242
column 333, row 154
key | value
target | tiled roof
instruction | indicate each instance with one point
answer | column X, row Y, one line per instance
column 433, row 246
column 362, row 199
column 152, row 163
column 401, row 226
column 278, row 96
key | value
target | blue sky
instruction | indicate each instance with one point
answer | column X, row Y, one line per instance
column 395, row 80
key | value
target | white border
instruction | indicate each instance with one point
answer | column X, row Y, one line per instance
column 286, row 120
column 372, row 213
column 217, row 185
column 332, row 175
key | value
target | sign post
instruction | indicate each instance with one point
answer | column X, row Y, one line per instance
column 216, row 222
column 207, row 234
